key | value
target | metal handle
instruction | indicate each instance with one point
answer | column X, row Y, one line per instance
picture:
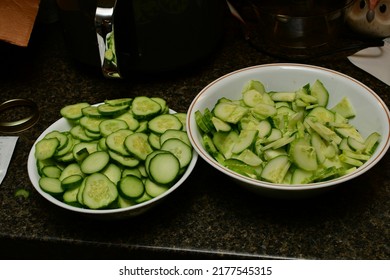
column 104, row 24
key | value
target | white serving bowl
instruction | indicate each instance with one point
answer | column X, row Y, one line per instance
column 117, row 213
column 372, row 115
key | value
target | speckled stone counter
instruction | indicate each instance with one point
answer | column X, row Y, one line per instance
column 210, row 216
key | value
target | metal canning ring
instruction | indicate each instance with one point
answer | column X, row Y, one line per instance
column 24, row 123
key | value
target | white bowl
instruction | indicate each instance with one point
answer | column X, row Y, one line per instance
column 372, row 115
column 118, row 213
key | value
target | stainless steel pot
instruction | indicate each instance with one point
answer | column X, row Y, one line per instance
column 128, row 37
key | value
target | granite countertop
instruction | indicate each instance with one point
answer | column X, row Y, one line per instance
column 202, row 219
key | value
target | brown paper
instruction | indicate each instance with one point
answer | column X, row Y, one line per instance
column 17, row 19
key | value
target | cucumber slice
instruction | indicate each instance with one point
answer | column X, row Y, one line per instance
column 132, row 122
column 175, row 134
column 241, row 168
column 72, row 181
column 252, row 98
column 83, row 149
column 264, row 111
column 371, row 143
column 46, row 148
column 153, row 189
column 144, row 107
column 131, row 171
column 164, row 168
column 220, row 125
column 248, row 157
column 131, row 187
column 98, row 191
column 154, row 141
column 138, row 145
column 224, row 110
column 276, row 169
column 163, row 104
column 245, row 139
column 91, row 123
column 344, row 108
column 52, row 186
column 162, row 123
column 78, row 132
column 111, row 125
column 62, row 138
column 112, row 110
column 180, row 149
column 67, row 148
column 254, row 84
column 225, row 142
column 115, row 141
column 209, row 145
column 303, row 154
column 319, row 91
column 95, row 162
column 182, row 118
column 126, row 161
column 301, row 176
column 322, row 115
column 200, row 123
column 113, row 172
column 91, row 111
column 283, row 96
column 71, row 169
column 73, row 111
column 70, row 197
column 51, row 171
column 119, row 101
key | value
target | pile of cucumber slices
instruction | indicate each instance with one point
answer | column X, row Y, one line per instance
column 285, row 137
column 117, row 154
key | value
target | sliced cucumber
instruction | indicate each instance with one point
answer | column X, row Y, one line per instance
column 175, row 134
column 319, row 91
column 132, row 123
column 164, row 168
column 52, row 186
column 111, row 125
column 144, row 107
column 138, row 145
column 126, row 161
column 119, row 101
column 95, row 162
column 72, row 181
column 113, row 172
column 98, row 192
column 295, row 128
column 303, row 154
column 344, row 108
column 131, row 187
column 62, row 138
column 180, row 149
column 245, row 139
column 112, row 110
column 115, row 141
column 276, row 169
column 46, row 148
column 162, row 123
column 153, row 189
column 91, row 123
column 73, row 111
column 51, row 171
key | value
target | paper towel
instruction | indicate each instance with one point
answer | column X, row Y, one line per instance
column 17, row 19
